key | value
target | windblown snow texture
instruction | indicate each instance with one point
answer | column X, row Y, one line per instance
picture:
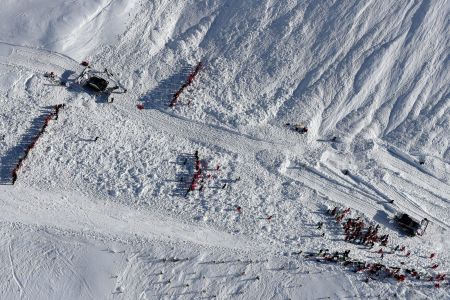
column 100, row 210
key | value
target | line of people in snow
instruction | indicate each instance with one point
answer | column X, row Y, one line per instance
column 187, row 83
column 197, row 174
column 377, row 271
column 200, row 177
column 52, row 116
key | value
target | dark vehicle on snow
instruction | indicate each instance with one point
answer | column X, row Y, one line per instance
column 98, row 84
column 411, row 226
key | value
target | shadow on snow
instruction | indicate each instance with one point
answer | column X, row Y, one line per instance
column 12, row 157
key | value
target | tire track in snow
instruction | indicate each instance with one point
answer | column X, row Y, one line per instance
column 40, row 50
column 203, row 133
column 388, row 192
column 333, row 190
column 400, row 197
column 434, row 186
column 358, row 183
column 394, row 153
column 432, row 193
column 37, row 60
column 396, row 164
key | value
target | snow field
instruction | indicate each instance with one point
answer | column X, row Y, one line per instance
column 375, row 75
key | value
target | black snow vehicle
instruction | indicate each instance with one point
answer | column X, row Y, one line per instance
column 99, row 81
column 97, row 84
column 411, row 226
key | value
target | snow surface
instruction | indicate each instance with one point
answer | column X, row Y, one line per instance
column 109, row 218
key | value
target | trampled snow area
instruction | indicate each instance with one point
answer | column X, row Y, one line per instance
column 101, row 208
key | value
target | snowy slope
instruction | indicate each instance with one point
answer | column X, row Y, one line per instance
column 102, row 219
column 76, row 28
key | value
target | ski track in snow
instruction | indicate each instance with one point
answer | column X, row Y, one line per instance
column 13, row 271
column 69, row 266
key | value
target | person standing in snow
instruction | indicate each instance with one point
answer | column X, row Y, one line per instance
column 333, row 211
column 50, row 75
column 319, row 225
